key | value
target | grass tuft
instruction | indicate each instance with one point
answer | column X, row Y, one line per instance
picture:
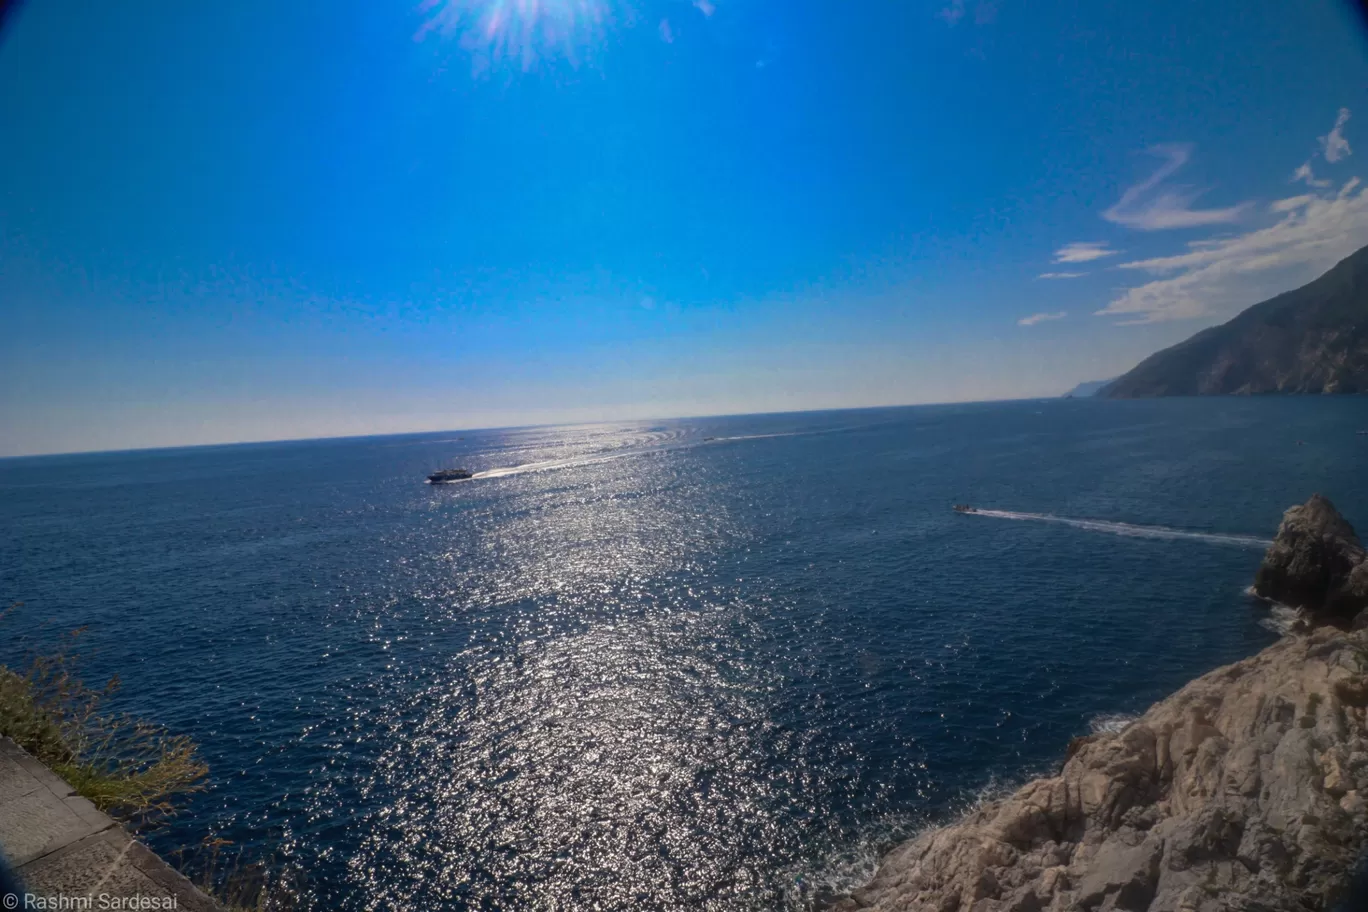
column 128, row 767
column 247, row 887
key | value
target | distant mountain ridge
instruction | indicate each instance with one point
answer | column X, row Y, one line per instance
column 1088, row 388
column 1311, row 340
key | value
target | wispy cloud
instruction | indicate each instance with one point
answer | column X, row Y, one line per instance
column 985, row 12
column 1333, row 145
column 1083, row 252
column 1314, row 233
column 1292, row 202
column 1033, row 319
column 1151, row 206
column 1304, row 173
column 705, row 7
column 1061, row 275
column 953, row 13
column 666, row 33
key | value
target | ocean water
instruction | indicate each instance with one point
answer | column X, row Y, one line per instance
column 713, row 663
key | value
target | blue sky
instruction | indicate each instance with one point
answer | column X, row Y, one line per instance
column 257, row 220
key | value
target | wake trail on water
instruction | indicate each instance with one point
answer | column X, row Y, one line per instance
column 758, row 436
column 1130, row 529
column 552, row 464
column 596, row 458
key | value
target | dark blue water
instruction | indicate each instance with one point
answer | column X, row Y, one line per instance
column 633, row 668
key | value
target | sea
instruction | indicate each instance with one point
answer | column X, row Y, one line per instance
column 714, row 663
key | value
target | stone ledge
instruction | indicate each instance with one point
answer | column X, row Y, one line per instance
column 61, row 845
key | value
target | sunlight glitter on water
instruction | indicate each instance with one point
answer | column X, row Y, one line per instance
column 579, row 768
column 726, row 671
column 575, row 750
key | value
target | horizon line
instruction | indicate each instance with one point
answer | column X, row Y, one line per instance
column 510, row 427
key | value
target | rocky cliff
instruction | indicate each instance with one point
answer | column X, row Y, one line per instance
column 1311, row 340
column 1244, row 790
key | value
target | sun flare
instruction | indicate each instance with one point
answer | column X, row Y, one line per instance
column 520, row 31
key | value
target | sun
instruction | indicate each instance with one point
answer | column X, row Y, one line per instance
column 523, row 32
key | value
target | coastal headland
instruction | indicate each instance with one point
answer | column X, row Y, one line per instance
column 1246, row 789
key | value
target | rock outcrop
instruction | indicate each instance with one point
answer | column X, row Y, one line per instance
column 1317, row 564
column 1244, row 790
column 1247, row 789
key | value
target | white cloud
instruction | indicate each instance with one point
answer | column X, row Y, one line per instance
column 1033, row 319
column 1333, row 145
column 1292, row 202
column 705, row 7
column 1222, row 274
column 1304, row 173
column 1061, row 275
column 666, row 33
column 1149, row 206
column 1083, row 252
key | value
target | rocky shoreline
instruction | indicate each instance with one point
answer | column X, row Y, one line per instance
column 1246, row 789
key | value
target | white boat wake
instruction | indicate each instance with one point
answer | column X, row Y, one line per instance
column 549, row 465
column 1131, row 530
column 758, row 436
column 596, row 458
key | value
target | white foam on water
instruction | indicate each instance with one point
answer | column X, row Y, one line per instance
column 1282, row 619
column 996, row 787
column 856, row 863
column 846, row 870
column 1110, row 723
column 1129, row 529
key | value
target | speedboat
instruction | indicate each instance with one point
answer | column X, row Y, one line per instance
column 965, row 508
column 447, row 476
